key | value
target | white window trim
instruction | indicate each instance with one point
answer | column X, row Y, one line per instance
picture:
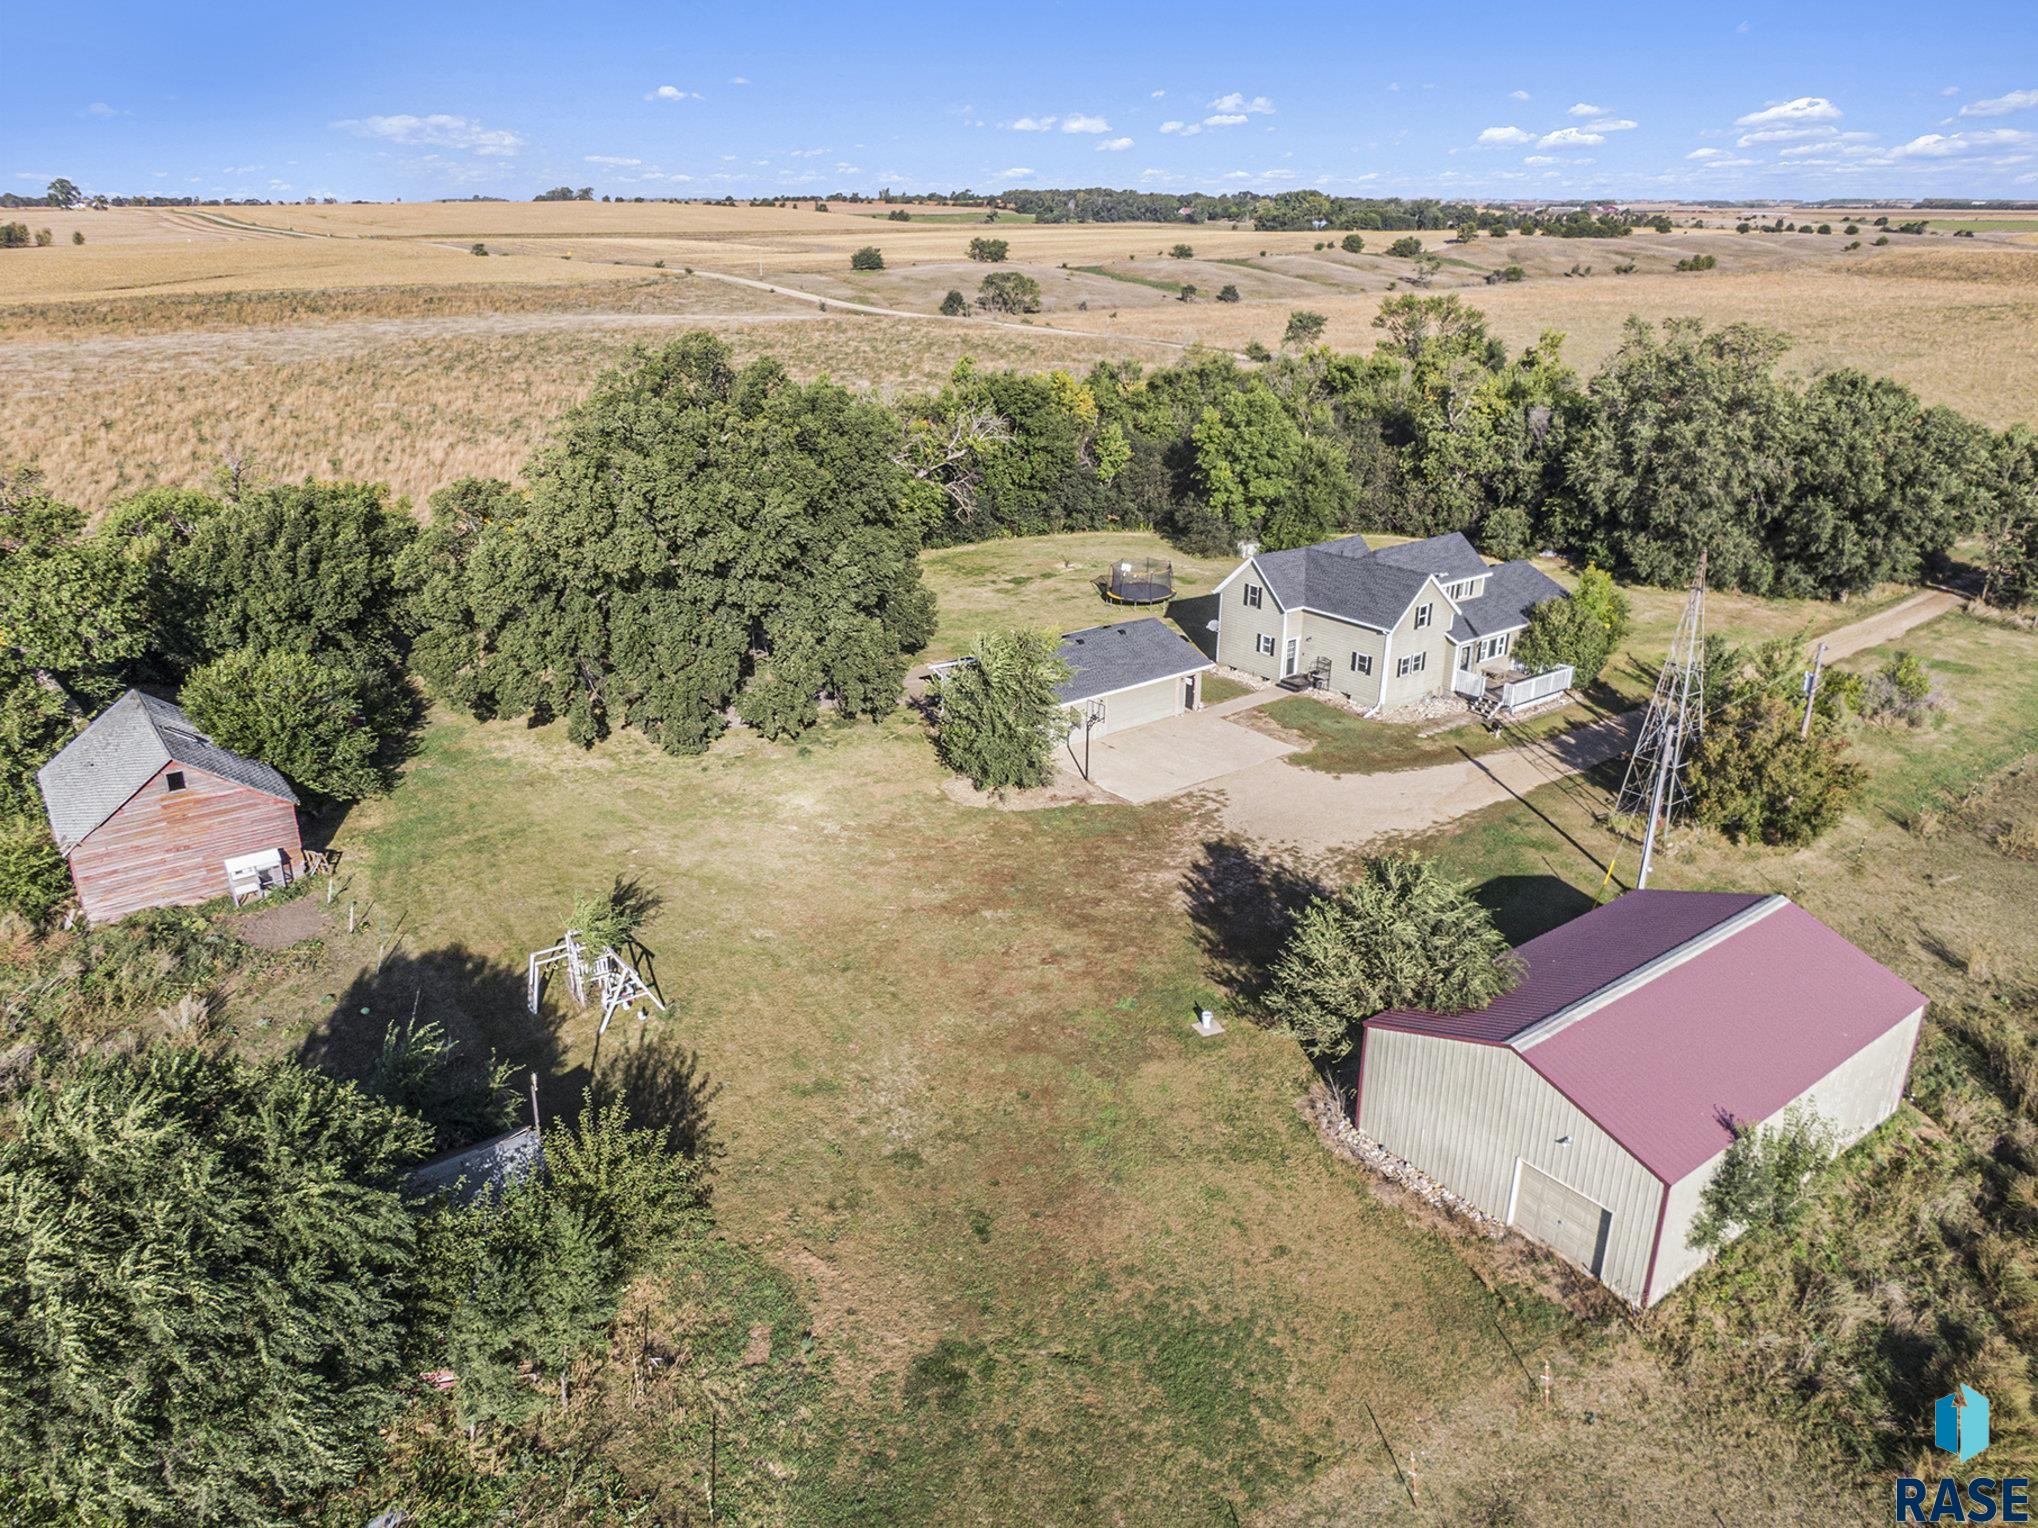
column 1266, row 645
column 1425, row 613
column 1252, row 595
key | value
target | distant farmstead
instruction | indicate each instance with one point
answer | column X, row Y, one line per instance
column 1590, row 1107
column 151, row 812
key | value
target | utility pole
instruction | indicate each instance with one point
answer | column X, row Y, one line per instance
column 1676, row 716
column 1811, row 689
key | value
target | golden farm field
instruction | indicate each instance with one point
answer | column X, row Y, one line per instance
column 370, row 340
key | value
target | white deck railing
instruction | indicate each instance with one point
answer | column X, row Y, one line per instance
column 1468, row 682
column 1526, row 692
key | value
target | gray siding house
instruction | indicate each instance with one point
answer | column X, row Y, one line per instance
column 1385, row 627
column 1589, row 1107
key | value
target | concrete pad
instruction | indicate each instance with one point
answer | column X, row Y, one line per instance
column 1165, row 758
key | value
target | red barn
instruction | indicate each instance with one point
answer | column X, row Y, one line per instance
column 152, row 813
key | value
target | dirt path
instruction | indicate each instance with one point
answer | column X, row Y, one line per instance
column 1308, row 812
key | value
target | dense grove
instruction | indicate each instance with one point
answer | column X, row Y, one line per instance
column 1288, row 211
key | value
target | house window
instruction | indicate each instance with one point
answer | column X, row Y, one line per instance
column 1418, row 662
column 1503, row 643
column 174, row 780
column 1423, row 614
column 1263, row 643
column 1252, row 596
column 1362, row 663
column 1401, row 669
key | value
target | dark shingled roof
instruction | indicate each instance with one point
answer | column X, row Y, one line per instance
column 1666, row 1014
column 120, row 752
column 1513, row 589
column 1345, row 578
column 1110, row 658
column 1449, row 556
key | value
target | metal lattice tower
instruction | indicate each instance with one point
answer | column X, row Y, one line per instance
column 1676, row 717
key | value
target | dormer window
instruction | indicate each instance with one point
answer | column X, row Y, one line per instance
column 1252, row 596
column 1423, row 615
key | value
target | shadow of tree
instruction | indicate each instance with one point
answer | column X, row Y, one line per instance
column 660, row 1081
column 1242, row 904
column 1524, row 906
column 477, row 1001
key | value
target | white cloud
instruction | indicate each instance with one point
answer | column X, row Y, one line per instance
column 1950, row 90
column 1259, row 106
column 1114, row 145
column 2002, row 105
column 737, row 79
column 101, row 109
column 1584, row 109
column 1945, row 145
column 1225, row 119
column 1803, row 109
column 1517, row 95
column 1707, row 154
column 1033, row 124
column 1182, row 129
column 799, row 153
column 1539, row 159
column 1569, row 138
column 439, row 130
column 1497, row 135
column 1077, row 122
column 609, row 159
column 1612, row 125
column 1157, row 95
column 1018, row 172
column 671, row 93
column 1728, row 163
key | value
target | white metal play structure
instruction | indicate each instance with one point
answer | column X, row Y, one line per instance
column 614, row 980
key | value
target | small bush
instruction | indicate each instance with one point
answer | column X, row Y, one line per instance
column 1227, row 293
column 1761, row 1182
column 478, row 249
column 1352, row 244
column 869, row 258
column 990, row 251
column 1181, row 252
column 954, row 305
column 1405, row 249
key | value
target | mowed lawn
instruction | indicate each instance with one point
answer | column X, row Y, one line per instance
column 1064, row 1260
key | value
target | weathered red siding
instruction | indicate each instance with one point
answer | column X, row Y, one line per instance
column 167, row 848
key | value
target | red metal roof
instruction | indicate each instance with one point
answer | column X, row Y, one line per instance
column 1733, row 1031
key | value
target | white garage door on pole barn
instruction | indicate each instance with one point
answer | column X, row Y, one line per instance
column 1561, row 1218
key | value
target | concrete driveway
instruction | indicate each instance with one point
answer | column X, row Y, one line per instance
column 1164, row 758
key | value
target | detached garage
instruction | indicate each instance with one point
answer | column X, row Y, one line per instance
column 1129, row 674
column 1589, row 1107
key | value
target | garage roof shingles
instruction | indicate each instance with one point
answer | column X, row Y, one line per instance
column 1106, row 659
column 1733, row 1032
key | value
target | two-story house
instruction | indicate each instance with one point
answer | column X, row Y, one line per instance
column 1385, row 627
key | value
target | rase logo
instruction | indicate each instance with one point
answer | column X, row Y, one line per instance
column 1960, row 1428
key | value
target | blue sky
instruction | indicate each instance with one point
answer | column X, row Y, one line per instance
column 1556, row 100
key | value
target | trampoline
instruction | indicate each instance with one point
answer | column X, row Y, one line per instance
column 1140, row 581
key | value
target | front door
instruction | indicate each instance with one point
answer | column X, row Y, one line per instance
column 1465, row 655
column 1288, row 657
column 1189, row 693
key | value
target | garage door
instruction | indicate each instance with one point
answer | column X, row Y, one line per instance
column 1132, row 708
column 1561, row 1218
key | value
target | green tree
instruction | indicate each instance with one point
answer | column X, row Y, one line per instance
column 1009, row 292
column 868, row 258
column 2009, row 521
column 695, row 537
column 627, row 1183
column 1764, row 1177
column 999, row 720
column 1404, row 935
column 1582, row 630
column 1753, row 777
column 954, row 305
column 1353, row 244
column 204, row 1272
column 1181, row 252
column 1227, row 293
column 321, row 721
column 1405, row 249
column 35, row 879
column 990, row 250
column 63, row 194
column 1304, row 328
column 1247, row 450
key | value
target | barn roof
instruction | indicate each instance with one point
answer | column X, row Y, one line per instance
column 102, row 767
column 1666, row 1015
column 1106, row 659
